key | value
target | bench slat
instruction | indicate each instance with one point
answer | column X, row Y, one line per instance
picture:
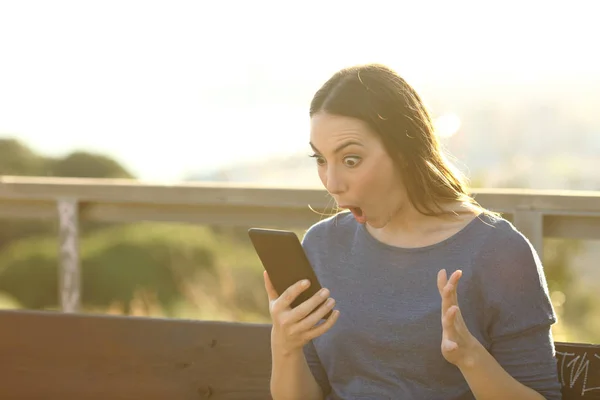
column 63, row 356
column 70, row 356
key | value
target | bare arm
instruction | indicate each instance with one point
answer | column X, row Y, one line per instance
column 291, row 377
column 489, row 381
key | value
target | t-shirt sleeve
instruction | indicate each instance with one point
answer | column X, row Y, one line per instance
column 519, row 314
column 314, row 363
column 529, row 358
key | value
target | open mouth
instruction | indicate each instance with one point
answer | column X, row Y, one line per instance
column 358, row 213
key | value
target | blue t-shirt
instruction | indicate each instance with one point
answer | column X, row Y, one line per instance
column 386, row 342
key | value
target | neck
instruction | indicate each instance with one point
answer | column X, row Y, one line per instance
column 407, row 221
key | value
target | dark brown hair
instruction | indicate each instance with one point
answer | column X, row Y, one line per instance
column 378, row 96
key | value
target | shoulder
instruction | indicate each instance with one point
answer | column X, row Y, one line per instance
column 502, row 241
column 512, row 281
column 333, row 228
column 508, row 265
column 325, row 241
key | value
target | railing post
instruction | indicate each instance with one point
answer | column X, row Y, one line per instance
column 531, row 224
column 69, row 271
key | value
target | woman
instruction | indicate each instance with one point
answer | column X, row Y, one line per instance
column 401, row 328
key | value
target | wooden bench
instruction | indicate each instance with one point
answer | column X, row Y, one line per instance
column 65, row 356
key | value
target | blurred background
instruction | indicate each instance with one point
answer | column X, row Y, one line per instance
column 178, row 91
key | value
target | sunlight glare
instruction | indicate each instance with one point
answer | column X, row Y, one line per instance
column 447, row 125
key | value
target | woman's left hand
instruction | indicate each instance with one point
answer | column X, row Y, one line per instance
column 458, row 345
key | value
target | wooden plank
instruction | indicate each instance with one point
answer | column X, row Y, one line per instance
column 69, row 271
column 247, row 194
column 28, row 208
column 61, row 356
column 585, row 227
column 131, row 191
column 207, row 202
column 275, row 217
column 549, row 201
column 565, row 225
column 531, row 224
column 58, row 356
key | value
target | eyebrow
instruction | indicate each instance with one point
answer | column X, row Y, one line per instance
column 340, row 147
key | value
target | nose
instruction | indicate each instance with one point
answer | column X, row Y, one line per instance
column 334, row 182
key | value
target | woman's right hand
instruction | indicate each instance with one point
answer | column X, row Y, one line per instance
column 294, row 327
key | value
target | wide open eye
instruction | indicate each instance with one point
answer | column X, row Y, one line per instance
column 352, row 161
column 320, row 160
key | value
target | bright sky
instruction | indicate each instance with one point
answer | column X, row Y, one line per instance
column 172, row 87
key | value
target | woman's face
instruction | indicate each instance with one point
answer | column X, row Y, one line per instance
column 355, row 168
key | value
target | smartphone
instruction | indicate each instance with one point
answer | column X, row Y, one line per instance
column 284, row 259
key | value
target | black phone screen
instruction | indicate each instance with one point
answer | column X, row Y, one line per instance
column 284, row 259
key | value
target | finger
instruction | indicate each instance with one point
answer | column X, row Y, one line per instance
column 447, row 298
column 289, row 295
column 324, row 327
column 449, row 345
column 449, row 320
column 441, row 280
column 306, row 307
column 455, row 277
column 449, row 295
column 271, row 292
column 313, row 319
column 454, row 282
column 457, row 320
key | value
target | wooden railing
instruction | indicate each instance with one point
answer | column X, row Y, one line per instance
column 538, row 214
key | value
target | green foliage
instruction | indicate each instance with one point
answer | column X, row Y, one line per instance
column 575, row 299
column 28, row 272
column 557, row 256
column 14, row 229
column 18, row 159
column 158, row 257
column 87, row 165
column 116, row 262
column 8, row 302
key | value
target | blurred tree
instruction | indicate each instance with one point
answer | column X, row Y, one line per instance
column 19, row 160
column 557, row 257
column 183, row 270
column 82, row 164
column 116, row 263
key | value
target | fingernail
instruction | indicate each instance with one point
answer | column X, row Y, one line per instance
column 305, row 283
